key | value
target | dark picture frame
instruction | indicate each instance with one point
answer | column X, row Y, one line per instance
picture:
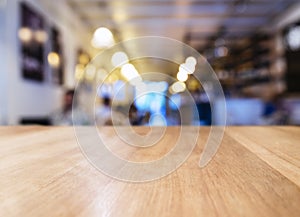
column 32, row 51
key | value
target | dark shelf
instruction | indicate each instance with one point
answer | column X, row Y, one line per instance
column 247, row 63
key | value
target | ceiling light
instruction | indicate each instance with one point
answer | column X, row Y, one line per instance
column 293, row 38
column 53, row 59
column 187, row 68
column 130, row 73
column 25, row 34
column 112, row 78
column 182, row 76
column 90, row 72
column 40, row 36
column 178, row 87
column 79, row 72
column 119, row 59
column 190, row 64
column 119, row 15
column 84, row 59
column 101, row 75
column 191, row 61
column 103, row 38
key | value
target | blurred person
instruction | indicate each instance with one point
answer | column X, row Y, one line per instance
column 203, row 107
column 105, row 115
column 64, row 116
column 275, row 112
column 146, row 119
column 173, row 117
column 136, row 119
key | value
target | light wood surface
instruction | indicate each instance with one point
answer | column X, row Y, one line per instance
column 256, row 172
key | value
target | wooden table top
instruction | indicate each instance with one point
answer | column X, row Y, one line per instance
column 256, row 172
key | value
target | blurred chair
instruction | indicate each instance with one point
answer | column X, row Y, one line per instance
column 45, row 121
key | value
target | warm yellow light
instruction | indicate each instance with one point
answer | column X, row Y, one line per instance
column 79, row 72
column 112, row 78
column 119, row 59
column 193, row 84
column 171, row 90
column 25, row 34
column 130, row 73
column 178, row 87
column 90, row 72
column 182, row 76
column 40, row 36
column 120, row 15
column 84, row 59
column 54, row 59
column 103, row 38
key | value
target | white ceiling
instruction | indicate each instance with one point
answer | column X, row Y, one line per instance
column 202, row 19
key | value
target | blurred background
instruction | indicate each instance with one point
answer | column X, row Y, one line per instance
column 46, row 48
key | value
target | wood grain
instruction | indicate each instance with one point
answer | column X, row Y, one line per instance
column 254, row 173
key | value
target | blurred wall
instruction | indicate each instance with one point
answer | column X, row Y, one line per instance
column 25, row 98
column 3, row 79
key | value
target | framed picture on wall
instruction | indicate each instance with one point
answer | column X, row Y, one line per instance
column 32, row 36
column 55, row 57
